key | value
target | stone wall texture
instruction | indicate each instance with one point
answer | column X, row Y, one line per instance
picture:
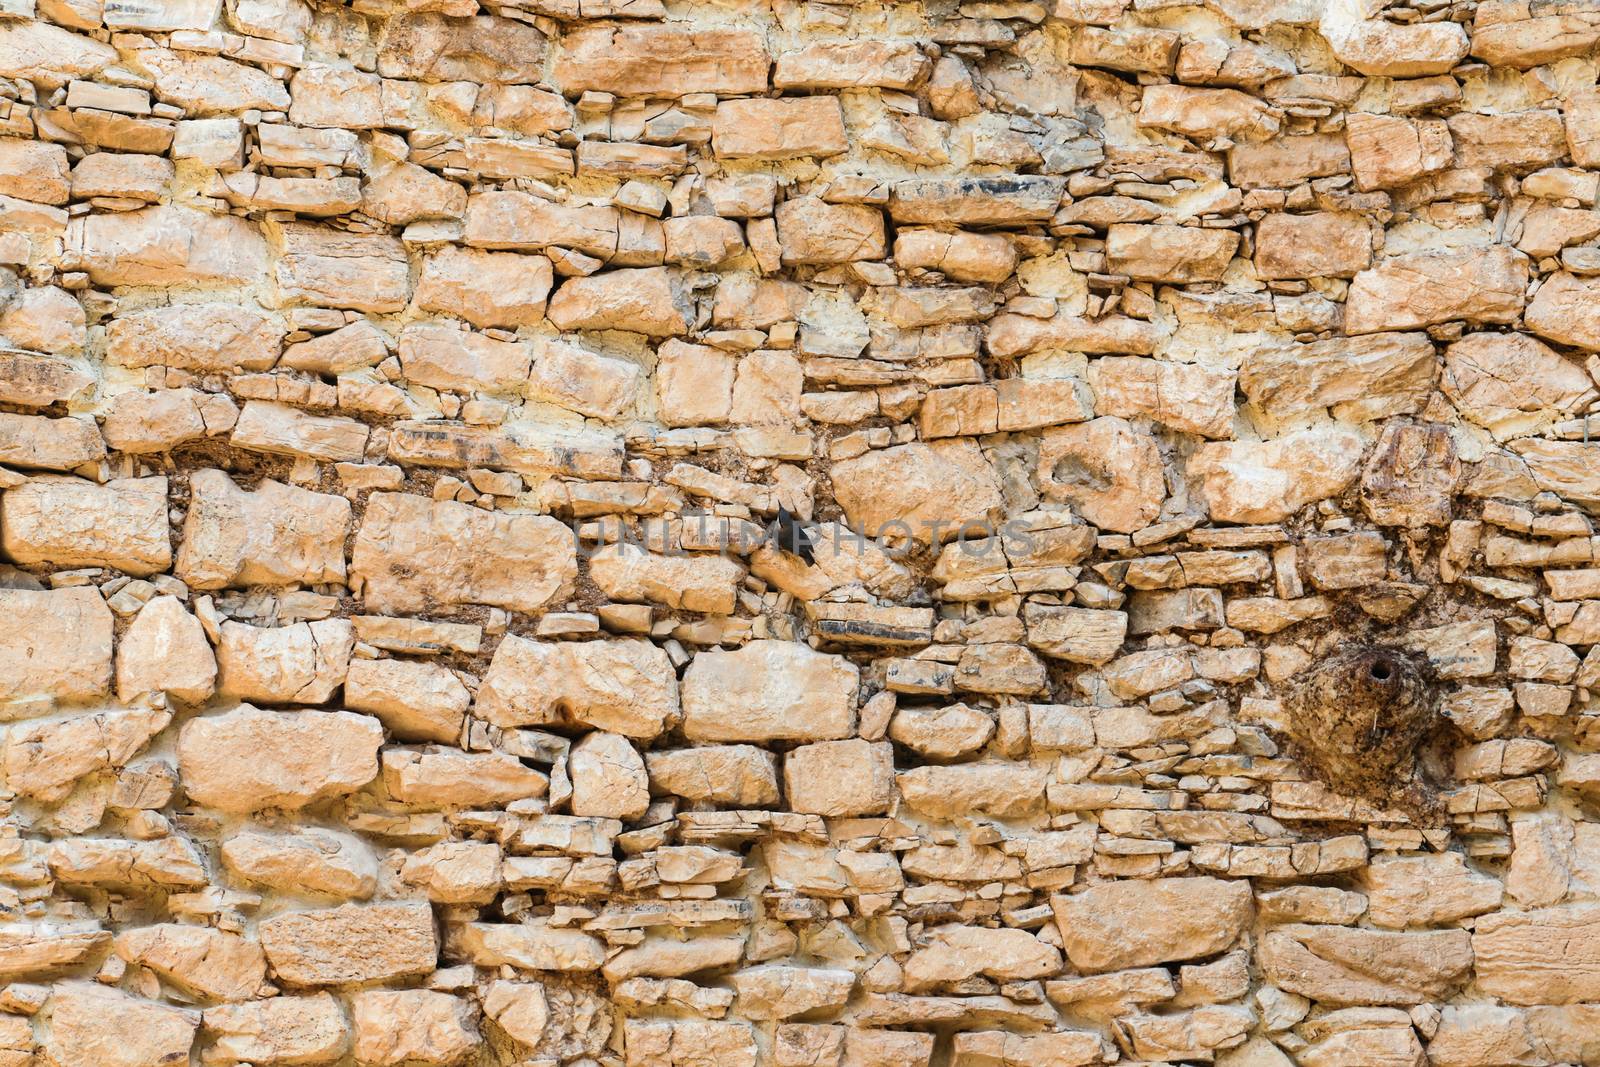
column 757, row 533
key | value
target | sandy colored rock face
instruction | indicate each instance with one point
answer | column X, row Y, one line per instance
column 615, row 533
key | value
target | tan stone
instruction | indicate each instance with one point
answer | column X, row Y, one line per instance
column 164, row 650
column 1405, row 292
column 415, row 701
column 1563, row 311
column 694, row 384
column 922, row 492
column 38, row 441
column 1386, row 151
column 1004, row 790
column 167, row 245
column 653, row 301
column 769, row 691
column 56, row 645
column 308, row 861
column 1138, row 923
column 35, row 381
column 688, row 1043
column 412, row 554
column 353, row 943
column 1511, row 383
column 814, row 232
column 430, row 47
column 1342, row 965
column 784, row 128
column 955, row 953
column 1191, row 397
column 199, row 960
column 280, row 1030
column 1107, row 469
column 46, row 759
column 283, row 430
column 247, row 759
column 1379, row 48
column 329, row 268
column 608, row 777
column 412, row 1026
column 93, row 1026
column 1359, row 379
column 70, row 522
column 840, row 778
column 275, row 535
column 655, row 59
column 1427, row 890
column 440, row 357
column 1266, row 481
column 694, row 582
column 624, row 686
column 851, row 64
column 1517, row 141
column 1208, row 113
column 449, row 778
column 455, row 872
column 1331, row 244
column 303, row 663
column 777, row 991
column 161, row 420
column 1170, row 253
column 739, row 776
column 485, row 288
column 1543, row 956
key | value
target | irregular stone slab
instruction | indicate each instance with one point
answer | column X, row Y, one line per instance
column 1111, row 471
column 735, row 776
column 56, row 645
column 34, row 950
column 284, row 430
column 485, row 288
column 1427, row 890
column 412, row 1026
column 655, row 59
column 445, row 358
column 167, row 863
column 840, row 778
column 1138, row 923
column 697, row 582
column 352, row 943
column 200, row 337
column 165, row 418
column 168, row 245
column 447, row 778
column 1563, row 310
column 784, row 128
column 851, row 65
column 39, row 381
column 1267, row 481
column 412, row 554
column 776, row 991
column 45, row 760
column 769, row 691
column 298, row 664
column 624, row 686
column 280, row 1030
column 1484, row 285
column 309, row 861
column 1324, row 244
column 414, row 701
column 1341, row 965
column 989, row 200
column 1004, row 790
column 197, row 959
column 1169, row 253
column 276, row 535
column 72, row 522
column 39, row 52
column 608, row 778
column 93, row 1026
column 430, row 47
column 923, row 492
column 330, row 268
column 955, row 953
column 1542, row 956
column 1191, row 397
column 530, row 946
column 1359, row 378
column 49, row 444
column 248, row 759
column 688, row 1043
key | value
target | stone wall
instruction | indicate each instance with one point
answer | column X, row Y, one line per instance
column 672, row 533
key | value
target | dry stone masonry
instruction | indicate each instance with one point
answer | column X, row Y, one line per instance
column 762, row 533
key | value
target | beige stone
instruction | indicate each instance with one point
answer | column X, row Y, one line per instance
column 1108, row 469
column 274, row 535
column 840, row 778
column 1170, row 253
column 1136, row 924
column 1386, row 151
column 352, row 943
column 1004, row 790
column 38, row 441
column 166, row 245
column 739, row 776
column 624, row 686
column 644, row 59
column 280, row 1030
column 921, row 492
column 57, row 645
column 93, row 1026
column 814, row 232
column 412, row 1026
column 1270, row 480
column 71, row 522
column 248, row 759
column 769, row 691
column 1542, row 956
column 955, row 953
column 608, row 777
column 164, row 650
column 448, row 778
column 1329, row 244
column 199, row 960
column 1342, row 965
column 412, row 553
column 311, row 861
column 1358, row 379
column 485, row 288
column 784, row 128
column 303, row 663
column 415, row 701
column 653, row 301
column 1405, row 292
column 46, row 759
column 1191, row 397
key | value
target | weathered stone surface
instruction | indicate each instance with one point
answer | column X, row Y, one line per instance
column 311, row 861
column 1135, row 924
column 353, row 943
column 70, row 522
column 248, row 758
column 626, row 687
column 1270, row 480
column 1357, row 379
column 284, row 1029
column 1343, row 965
column 167, row 245
column 299, row 664
column 1405, row 292
column 93, row 1026
column 202, row 961
column 1108, row 469
column 890, row 493
column 46, row 759
column 396, row 1026
column 164, row 650
column 485, row 288
column 56, row 645
column 645, row 59
column 1191, row 397
column 276, row 534
column 769, row 691
column 413, row 554
column 201, row 337
column 1543, row 956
